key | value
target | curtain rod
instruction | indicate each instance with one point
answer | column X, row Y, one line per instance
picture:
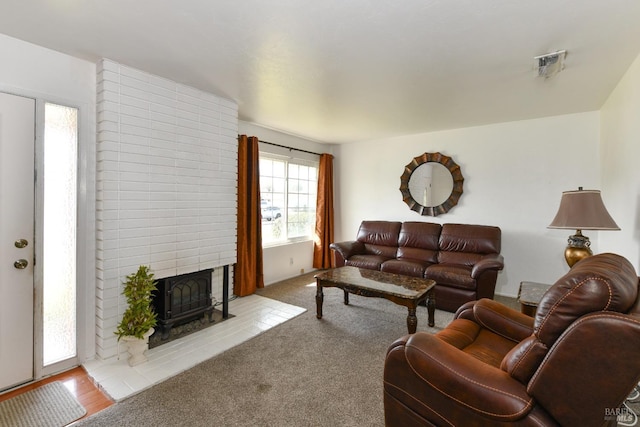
column 289, row 148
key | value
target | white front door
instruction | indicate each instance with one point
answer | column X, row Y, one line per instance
column 17, row 140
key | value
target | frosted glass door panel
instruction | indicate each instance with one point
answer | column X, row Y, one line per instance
column 59, row 242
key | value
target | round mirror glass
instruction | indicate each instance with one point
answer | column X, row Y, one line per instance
column 431, row 184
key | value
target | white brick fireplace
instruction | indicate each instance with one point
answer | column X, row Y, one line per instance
column 166, row 185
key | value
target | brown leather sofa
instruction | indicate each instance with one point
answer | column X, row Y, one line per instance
column 571, row 365
column 463, row 259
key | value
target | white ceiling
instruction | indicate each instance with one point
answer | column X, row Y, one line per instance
column 348, row 70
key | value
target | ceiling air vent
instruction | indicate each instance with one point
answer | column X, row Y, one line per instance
column 550, row 64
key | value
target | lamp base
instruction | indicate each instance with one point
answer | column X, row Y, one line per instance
column 577, row 248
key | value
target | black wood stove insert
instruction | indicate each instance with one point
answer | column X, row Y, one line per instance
column 181, row 299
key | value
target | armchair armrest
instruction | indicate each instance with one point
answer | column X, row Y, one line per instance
column 610, row 379
column 465, row 311
column 348, row 249
column 488, row 262
column 445, row 375
column 503, row 320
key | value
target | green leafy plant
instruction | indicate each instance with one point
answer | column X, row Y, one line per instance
column 139, row 317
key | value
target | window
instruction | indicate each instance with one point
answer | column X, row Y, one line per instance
column 288, row 190
column 59, row 241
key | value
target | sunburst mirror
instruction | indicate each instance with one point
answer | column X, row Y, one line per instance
column 431, row 184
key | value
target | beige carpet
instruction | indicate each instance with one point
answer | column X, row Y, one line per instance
column 50, row 405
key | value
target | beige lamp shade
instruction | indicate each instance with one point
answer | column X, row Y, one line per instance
column 583, row 210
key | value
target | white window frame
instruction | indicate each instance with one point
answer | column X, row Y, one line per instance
column 285, row 209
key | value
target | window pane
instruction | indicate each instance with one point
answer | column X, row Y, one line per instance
column 278, row 185
column 293, row 185
column 293, row 202
column 304, row 202
column 288, row 201
column 278, row 200
column 303, row 186
column 272, row 193
column 266, row 167
column 266, row 185
column 304, row 172
column 278, row 169
column 59, row 242
column 293, row 171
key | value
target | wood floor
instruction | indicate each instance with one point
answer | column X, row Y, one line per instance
column 78, row 383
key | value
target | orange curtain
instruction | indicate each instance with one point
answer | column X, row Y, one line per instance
column 324, row 214
column 248, row 272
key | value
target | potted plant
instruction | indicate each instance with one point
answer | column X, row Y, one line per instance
column 139, row 318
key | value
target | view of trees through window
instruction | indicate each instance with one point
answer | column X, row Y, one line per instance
column 288, row 190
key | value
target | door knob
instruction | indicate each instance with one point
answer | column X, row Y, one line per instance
column 21, row 243
column 21, row 264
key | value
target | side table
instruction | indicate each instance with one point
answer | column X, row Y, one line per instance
column 529, row 296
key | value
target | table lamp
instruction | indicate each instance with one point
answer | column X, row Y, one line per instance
column 581, row 210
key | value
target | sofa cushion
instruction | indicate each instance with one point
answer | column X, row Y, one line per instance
column 380, row 237
column 468, row 259
column 419, row 241
column 453, row 275
column 406, row 267
column 466, row 244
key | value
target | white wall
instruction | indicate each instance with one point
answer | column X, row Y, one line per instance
column 284, row 261
column 620, row 148
column 514, row 175
column 46, row 75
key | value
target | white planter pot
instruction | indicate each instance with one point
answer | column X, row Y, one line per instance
column 137, row 347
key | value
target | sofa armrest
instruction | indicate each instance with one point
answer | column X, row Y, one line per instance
column 503, row 320
column 348, row 249
column 428, row 370
column 488, row 262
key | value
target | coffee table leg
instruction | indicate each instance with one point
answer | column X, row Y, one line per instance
column 431, row 306
column 319, row 300
column 412, row 321
column 346, row 298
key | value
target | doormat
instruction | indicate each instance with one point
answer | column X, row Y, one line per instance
column 185, row 329
column 50, row 405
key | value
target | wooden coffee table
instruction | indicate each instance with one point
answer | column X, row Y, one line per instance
column 402, row 290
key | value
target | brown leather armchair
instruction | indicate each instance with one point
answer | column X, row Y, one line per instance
column 571, row 365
